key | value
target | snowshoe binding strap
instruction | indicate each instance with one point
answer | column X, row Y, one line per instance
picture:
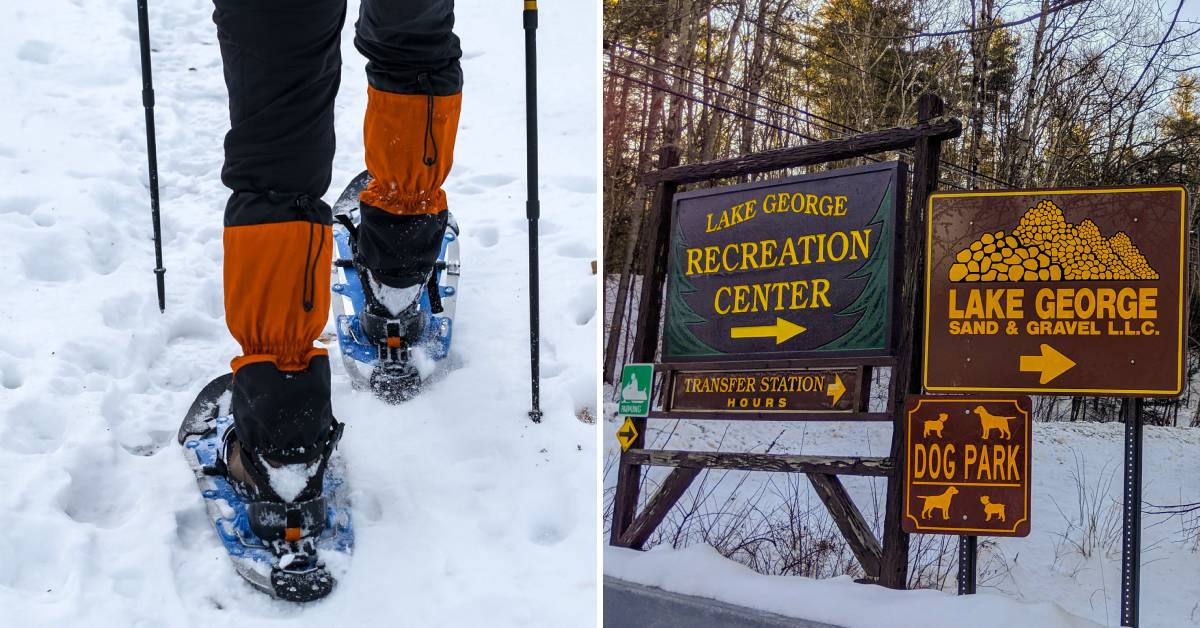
column 374, row 324
column 351, row 228
column 435, row 294
column 381, row 329
column 271, row 517
column 287, row 521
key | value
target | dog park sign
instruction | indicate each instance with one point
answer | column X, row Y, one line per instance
column 1056, row 291
column 967, row 466
column 800, row 267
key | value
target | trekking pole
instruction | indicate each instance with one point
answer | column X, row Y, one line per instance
column 151, row 151
column 532, row 206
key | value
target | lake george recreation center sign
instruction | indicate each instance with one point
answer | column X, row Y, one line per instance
column 800, row 267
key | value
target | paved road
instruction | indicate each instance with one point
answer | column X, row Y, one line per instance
column 629, row 605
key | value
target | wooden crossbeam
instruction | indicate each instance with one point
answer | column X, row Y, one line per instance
column 857, row 417
column 668, row 493
column 849, row 520
column 817, row 152
column 833, row 465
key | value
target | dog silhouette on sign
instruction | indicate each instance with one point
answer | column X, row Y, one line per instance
column 990, row 509
column 938, row 502
column 935, row 426
column 991, row 422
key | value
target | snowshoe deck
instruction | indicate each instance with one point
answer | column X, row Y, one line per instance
column 201, row 435
column 359, row 354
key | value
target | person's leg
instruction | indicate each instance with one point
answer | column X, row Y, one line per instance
column 282, row 68
column 414, row 99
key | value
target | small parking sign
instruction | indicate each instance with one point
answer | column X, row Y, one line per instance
column 637, row 383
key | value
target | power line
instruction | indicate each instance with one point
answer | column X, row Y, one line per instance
column 737, row 97
column 850, row 130
column 738, row 114
column 764, row 97
column 967, row 31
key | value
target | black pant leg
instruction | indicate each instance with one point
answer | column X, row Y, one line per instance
column 282, row 65
column 415, row 85
column 403, row 39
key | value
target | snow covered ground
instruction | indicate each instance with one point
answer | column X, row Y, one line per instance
column 465, row 511
column 1064, row 566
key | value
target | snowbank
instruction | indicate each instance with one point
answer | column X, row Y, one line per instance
column 701, row 571
column 1071, row 558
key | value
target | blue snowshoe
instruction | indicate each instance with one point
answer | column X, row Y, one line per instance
column 381, row 352
column 276, row 546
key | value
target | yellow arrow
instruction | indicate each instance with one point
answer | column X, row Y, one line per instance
column 836, row 389
column 627, row 434
column 1050, row 364
column 782, row 331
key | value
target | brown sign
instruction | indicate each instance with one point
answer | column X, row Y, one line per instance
column 967, row 466
column 787, row 268
column 766, row 391
column 1056, row 291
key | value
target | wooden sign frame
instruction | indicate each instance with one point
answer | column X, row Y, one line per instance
column 884, row 560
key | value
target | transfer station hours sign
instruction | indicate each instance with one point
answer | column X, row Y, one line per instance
column 788, row 268
column 1056, row 291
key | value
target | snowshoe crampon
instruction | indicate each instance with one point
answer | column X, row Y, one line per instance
column 388, row 366
column 288, row 569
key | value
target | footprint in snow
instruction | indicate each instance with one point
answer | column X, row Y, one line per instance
column 579, row 185
column 10, row 373
column 577, row 249
column 546, row 534
column 18, row 204
column 493, row 180
column 92, row 357
column 36, row 51
column 488, row 236
column 120, row 312
column 192, row 526
column 48, row 260
column 96, row 495
column 550, row 369
column 193, row 326
column 104, row 243
column 583, row 304
column 43, row 217
column 466, row 188
column 34, row 426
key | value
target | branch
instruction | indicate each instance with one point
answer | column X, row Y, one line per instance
column 966, row 31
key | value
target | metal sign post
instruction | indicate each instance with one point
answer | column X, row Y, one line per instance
column 968, row 551
column 1131, row 533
